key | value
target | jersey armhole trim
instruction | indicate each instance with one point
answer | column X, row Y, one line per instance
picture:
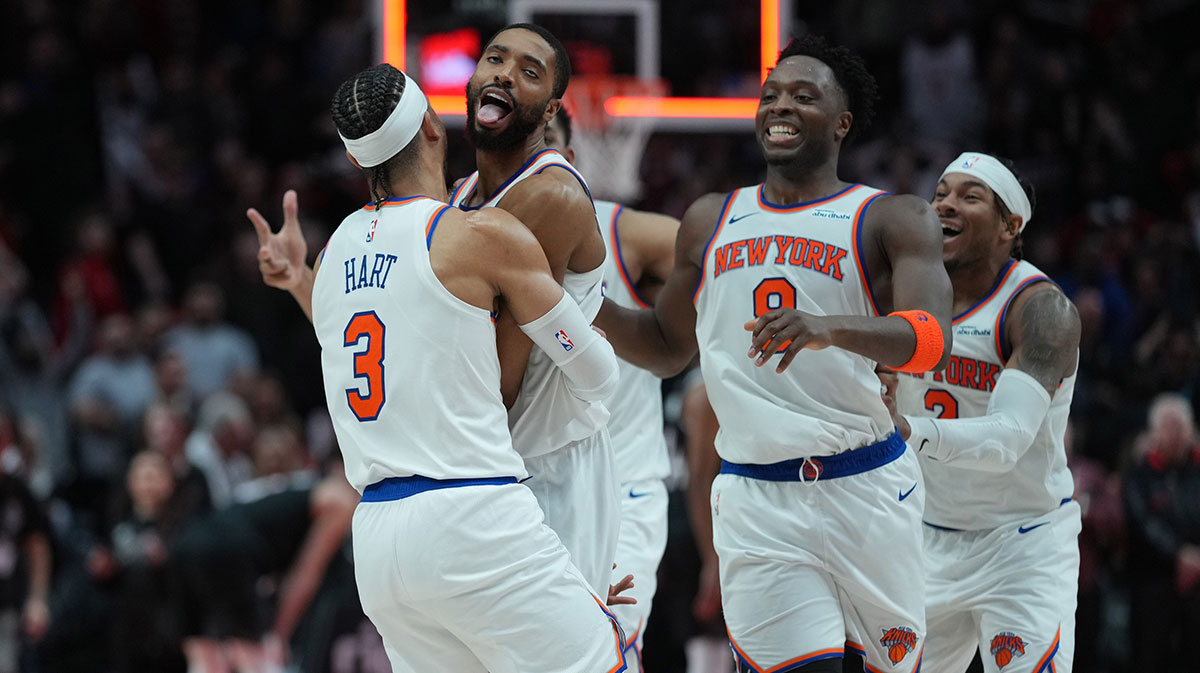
column 433, row 223
column 856, row 243
column 624, row 271
column 708, row 246
column 1003, row 347
column 570, row 169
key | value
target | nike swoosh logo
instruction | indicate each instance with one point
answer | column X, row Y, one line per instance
column 637, row 495
column 1022, row 530
column 924, row 441
column 740, row 217
column 907, row 493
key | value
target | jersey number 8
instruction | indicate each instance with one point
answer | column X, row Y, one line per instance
column 368, row 364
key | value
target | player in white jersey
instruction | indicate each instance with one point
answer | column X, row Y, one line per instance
column 641, row 252
column 454, row 564
column 1002, row 559
column 516, row 89
column 817, row 511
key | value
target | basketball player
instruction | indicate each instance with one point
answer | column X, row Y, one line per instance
column 516, row 90
column 641, row 252
column 1002, row 561
column 817, row 510
column 453, row 562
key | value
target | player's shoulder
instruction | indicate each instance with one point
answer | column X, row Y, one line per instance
column 494, row 227
column 553, row 186
column 908, row 206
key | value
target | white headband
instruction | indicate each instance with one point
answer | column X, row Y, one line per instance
column 397, row 131
column 996, row 175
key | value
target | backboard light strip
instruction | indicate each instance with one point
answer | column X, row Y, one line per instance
column 394, row 36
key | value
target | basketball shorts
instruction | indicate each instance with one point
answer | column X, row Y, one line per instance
column 470, row 579
column 576, row 487
column 640, row 548
column 1008, row 592
column 812, row 568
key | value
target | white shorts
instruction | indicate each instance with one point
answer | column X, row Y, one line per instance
column 640, row 549
column 1008, row 592
column 576, row 487
column 470, row 579
column 809, row 569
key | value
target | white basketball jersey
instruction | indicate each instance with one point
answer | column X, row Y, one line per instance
column 636, row 424
column 546, row 416
column 971, row 499
column 412, row 378
column 763, row 256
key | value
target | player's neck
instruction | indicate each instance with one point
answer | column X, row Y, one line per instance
column 424, row 182
column 787, row 185
column 973, row 282
column 497, row 166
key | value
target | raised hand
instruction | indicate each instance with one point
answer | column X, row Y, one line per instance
column 282, row 255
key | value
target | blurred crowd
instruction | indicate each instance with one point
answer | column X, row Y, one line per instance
column 148, row 378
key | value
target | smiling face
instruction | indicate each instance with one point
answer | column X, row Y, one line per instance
column 802, row 113
column 972, row 227
column 513, row 85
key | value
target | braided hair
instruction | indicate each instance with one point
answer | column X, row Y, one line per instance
column 360, row 106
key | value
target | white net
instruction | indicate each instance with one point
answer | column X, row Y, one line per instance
column 608, row 150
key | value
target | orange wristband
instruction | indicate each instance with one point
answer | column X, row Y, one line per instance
column 929, row 342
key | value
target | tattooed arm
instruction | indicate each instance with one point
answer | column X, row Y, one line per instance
column 1043, row 330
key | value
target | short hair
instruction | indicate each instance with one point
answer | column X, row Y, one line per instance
column 564, row 121
column 850, row 73
column 562, row 62
column 360, row 106
column 1005, row 211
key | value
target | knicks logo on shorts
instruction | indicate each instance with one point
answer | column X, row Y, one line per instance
column 564, row 341
column 1005, row 646
column 899, row 641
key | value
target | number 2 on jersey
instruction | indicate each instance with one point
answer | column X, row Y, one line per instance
column 942, row 402
column 368, row 365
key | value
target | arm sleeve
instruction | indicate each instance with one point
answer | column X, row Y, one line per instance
column 995, row 441
column 584, row 356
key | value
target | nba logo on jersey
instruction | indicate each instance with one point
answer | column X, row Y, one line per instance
column 900, row 640
column 1005, row 646
column 564, row 340
column 371, row 233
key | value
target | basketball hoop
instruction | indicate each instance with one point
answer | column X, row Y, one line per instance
column 609, row 149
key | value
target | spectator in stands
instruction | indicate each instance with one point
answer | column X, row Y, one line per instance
column 25, row 566
column 216, row 352
column 1162, row 504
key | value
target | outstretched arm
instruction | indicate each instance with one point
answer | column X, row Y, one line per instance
column 663, row 339
column 282, row 255
column 1044, row 333
column 910, row 240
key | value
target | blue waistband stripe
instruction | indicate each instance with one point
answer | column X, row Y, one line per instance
column 399, row 488
column 844, row 464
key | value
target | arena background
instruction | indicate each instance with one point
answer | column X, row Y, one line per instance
column 135, row 133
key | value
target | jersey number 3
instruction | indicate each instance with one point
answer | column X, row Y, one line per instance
column 368, row 365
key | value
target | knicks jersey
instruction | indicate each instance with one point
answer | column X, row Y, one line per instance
column 806, row 256
column 636, row 424
column 546, row 416
column 972, row 499
column 412, row 378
